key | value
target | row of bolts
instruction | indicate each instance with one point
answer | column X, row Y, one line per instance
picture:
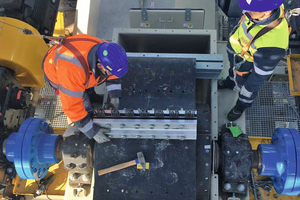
column 151, row 126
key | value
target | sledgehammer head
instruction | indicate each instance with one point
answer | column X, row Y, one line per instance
column 141, row 158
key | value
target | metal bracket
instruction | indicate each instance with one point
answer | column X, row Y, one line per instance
column 188, row 14
column 144, row 14
column 179, row 129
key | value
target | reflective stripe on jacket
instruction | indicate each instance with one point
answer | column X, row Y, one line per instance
column 65, row 71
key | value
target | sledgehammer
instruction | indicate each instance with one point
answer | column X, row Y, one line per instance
column 139, row 160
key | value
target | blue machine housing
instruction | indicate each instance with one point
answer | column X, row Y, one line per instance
column 32, row 149
column 281, row 161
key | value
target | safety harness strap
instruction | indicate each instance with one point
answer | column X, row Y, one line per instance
column 263, row 31
column 78, row 55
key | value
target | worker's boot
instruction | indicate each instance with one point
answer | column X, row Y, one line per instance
column 226, row 84
column 234, row 114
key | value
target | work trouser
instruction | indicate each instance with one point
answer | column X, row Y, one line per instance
column 235, row 80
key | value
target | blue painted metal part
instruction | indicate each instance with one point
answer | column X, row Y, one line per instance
column 32, row 148
column 281, row 161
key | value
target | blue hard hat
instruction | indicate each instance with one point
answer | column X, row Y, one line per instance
column 113, row 58
column 260, row 5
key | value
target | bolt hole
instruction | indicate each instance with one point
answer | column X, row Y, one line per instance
column 157, row 90
column 183, row 91
column 171, row 91
column 151, row 192
column 146, row 90
column 136, row 191
column 181, row 193
column 17, row 117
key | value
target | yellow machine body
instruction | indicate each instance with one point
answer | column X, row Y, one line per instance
column 293, row 62
column 22, row 53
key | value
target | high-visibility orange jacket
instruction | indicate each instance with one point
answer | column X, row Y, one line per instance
column 65, row 71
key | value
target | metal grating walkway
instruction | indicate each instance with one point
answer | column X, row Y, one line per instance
column 50, row 108
column 273, row 107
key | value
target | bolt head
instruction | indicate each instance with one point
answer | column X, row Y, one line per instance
column 227, row 186
column 86, row 177
column 71, row 166
column 137, row 126
column 152, row 137
column 181, row 137
column 241, row 187
column 9, row 170
column 166, row 126
column 122, row 125
column 152, row 126
column 74, row 176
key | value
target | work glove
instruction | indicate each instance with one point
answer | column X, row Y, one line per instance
column 115, row 102
column 100, row 137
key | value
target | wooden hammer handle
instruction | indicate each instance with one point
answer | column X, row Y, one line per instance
column 116, row 167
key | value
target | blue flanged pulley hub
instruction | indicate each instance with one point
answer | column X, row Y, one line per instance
column 33, row 148
column 281, row 161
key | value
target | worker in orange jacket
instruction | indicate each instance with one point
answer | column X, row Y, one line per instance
column 81, row 62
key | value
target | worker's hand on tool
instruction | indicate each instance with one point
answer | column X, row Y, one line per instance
column 115, row 102
column 100, row 137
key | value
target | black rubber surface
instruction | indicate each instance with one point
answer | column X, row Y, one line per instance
column 171, row 174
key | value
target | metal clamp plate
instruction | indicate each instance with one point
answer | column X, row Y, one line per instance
column 150, row 128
